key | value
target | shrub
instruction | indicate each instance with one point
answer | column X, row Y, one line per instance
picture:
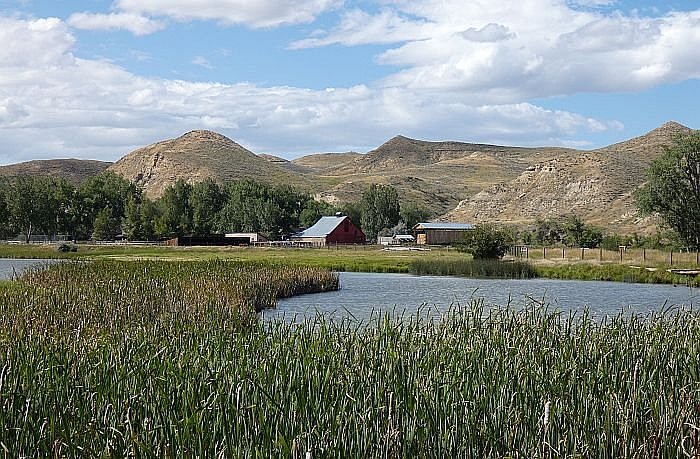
column 66, row 247
column 485, row 242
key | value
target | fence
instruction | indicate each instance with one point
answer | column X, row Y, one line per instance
column 623, row 254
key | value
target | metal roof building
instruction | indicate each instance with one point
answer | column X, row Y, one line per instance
column 331, row 230
column 440, row 233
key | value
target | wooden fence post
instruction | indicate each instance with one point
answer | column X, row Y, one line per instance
column 582, row 252
column 644, row 255
column 562, row 253
column 544, row 252
column 671, row 257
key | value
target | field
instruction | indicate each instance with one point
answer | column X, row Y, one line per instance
column 148, row 358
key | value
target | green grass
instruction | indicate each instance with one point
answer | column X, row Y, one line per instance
column 614, row 272
column 159, row 369
column 475, row 268
column 364, row 259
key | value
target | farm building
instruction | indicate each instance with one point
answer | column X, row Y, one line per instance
column 331, row 230
column 440, row 233
column 397, row 239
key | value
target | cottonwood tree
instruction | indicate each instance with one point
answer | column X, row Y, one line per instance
column 672, row 189
column 380, row 209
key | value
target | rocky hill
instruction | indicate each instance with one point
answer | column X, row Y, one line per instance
column 596, row 185
column 457, row 181
column 73, row 170
column 196, row 156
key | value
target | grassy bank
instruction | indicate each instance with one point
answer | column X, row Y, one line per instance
column 371, row 259
column 468, row 267
column 124, row 359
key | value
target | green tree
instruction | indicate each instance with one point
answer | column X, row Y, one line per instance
column 205, row 200
column 549, row 232
column 313, row 211
column 380, row 209
column 95, row 194
column 5, row 231
column 32, row 204
column 132, row 223
column 175, row 212
column 579, row 234
column 354, row 211
column 486, row 242
column 672, row 189
column 412, row 214
column 106, row 225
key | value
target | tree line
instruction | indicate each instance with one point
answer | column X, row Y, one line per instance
column 106, row 206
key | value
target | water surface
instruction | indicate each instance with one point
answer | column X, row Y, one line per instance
column 12, row 266
column 364, row 293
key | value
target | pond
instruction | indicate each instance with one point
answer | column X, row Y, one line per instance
column 361, row 294
column 10, row 266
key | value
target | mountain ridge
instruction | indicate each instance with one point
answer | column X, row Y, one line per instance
column 459, row 181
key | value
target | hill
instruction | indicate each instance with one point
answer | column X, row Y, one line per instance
column 455, row 180
column 436, row 174
column 196, row 156
column 73, row 170
column 596, row 185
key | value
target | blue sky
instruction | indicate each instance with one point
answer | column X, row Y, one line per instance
column 98, row 78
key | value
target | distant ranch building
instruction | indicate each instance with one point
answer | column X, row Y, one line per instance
column 331, row 230
column 440, row 233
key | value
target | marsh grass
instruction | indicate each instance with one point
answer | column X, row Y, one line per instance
column 142, row 359
column 468, row 267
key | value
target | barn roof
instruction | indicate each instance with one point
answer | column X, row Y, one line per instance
column 323, row 227
column 444, row 226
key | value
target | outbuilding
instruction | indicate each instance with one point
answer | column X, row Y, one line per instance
column 440, row 233
column 331, row 230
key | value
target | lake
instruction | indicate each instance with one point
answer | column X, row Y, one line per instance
column 9, row 266
column 361, row 294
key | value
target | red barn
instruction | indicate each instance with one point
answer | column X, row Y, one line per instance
column 331, row 230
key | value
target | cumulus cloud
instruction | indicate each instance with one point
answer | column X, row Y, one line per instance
column 258, row 13
column 53, row 104
column 515, row 50
column 134, row 23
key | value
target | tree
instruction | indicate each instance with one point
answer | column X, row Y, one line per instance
column 103, row 190
column 106, row 226
column 205, row 201
column 175, row 211
column 380, row 209
column 672, row 189
column 32, row 204
column 4, row 212
column 313, row 211
column 578, row 233
column 412, row 214
column 486, row 242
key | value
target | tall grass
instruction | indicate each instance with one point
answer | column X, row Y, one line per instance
column 167, row 370
column 474, row 268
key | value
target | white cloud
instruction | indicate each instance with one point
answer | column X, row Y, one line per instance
column 202, row 62
column 257, row 13
column 134, row 23
column 53, row 104
column 515, row 50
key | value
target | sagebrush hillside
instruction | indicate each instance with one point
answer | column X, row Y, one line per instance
column 456, row 181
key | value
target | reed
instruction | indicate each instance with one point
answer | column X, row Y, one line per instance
column 474, row 268
column 149, row 359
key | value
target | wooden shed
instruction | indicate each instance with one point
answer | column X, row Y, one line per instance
column 440, row 233
column 331, row 230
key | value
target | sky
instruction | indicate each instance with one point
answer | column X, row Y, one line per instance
column 95, row 79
